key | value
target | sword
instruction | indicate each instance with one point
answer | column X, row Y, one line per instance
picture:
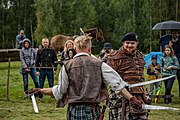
column 154, row 107
column 34, row 104
column 149, row 82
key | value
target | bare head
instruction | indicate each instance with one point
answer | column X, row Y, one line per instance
column 83, row 44
column 21, row 32
column 45, row 42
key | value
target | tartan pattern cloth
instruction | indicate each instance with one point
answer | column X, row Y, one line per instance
column 115, row 109
column 82, row 112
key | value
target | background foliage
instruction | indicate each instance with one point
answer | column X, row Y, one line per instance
column 46, row 18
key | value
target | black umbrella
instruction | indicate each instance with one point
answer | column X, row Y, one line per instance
column 167, row 25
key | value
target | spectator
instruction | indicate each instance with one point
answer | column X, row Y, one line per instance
column 107, row 49
column 19, row 39
column 71, row 54
column 175, row 44
column 154, row 72
column 27, row 57
column 77, row 78
column 45, row 59
column 67, row 46
column 169, row 64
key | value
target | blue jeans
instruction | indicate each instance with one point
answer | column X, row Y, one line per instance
column 50, row 76
column 168, row 85
column 33, row 76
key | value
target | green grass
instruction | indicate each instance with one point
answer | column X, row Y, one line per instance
column 19, row 109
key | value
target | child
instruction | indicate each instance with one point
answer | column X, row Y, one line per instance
column 153, row 72
column 169, row 64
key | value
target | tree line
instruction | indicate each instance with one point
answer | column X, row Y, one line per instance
column 47, row 18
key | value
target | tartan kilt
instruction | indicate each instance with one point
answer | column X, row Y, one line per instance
column 115, row 109
column 82, row 112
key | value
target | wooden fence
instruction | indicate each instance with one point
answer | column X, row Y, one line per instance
column 5, row 54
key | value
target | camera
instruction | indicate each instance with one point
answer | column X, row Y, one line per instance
column 107, row 51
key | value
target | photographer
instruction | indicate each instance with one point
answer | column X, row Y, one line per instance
column 107, row 49
column 27, row 57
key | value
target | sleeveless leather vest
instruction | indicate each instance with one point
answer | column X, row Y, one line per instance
column 85, row 80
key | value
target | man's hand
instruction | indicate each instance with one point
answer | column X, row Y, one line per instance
column 169, row 67
column 34, row 91
column 135, row 103
column 37, row 73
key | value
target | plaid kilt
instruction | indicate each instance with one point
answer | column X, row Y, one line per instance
column 115, row 109
column 83, row 112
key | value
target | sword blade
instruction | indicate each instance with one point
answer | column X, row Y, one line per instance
column 34, row 104
column 154, row 107
column 149, row 82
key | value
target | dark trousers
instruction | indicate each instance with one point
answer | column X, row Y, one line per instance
column 50, row 76
column 168, row 85
column 178, row 78
column 26, row 79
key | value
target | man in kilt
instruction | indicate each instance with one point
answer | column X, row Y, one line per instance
column 129, row 62
column 82, row 84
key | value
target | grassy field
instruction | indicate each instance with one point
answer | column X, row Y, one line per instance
column 18, row 108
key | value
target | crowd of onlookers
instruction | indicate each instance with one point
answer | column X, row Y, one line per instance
column 42, row 63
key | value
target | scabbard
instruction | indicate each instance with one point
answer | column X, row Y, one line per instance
column 123, row 108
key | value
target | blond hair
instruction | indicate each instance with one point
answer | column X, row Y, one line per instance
column 65, row 45
column 82, row 42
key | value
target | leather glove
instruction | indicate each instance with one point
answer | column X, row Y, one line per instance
column 34, row 91
column 135, row 103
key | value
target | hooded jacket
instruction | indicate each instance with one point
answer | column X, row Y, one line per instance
column 27, row 55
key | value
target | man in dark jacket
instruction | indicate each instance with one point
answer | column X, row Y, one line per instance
column 45, row 59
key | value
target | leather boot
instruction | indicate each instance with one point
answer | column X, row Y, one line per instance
column 166, row 101
column 170, row 100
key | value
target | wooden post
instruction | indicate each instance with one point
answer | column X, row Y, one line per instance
column 7, row 92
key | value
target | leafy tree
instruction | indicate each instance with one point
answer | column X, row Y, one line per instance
column 63, row 17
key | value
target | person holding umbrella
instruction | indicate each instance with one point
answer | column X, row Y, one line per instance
column 173, row 40
column 175, row 44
